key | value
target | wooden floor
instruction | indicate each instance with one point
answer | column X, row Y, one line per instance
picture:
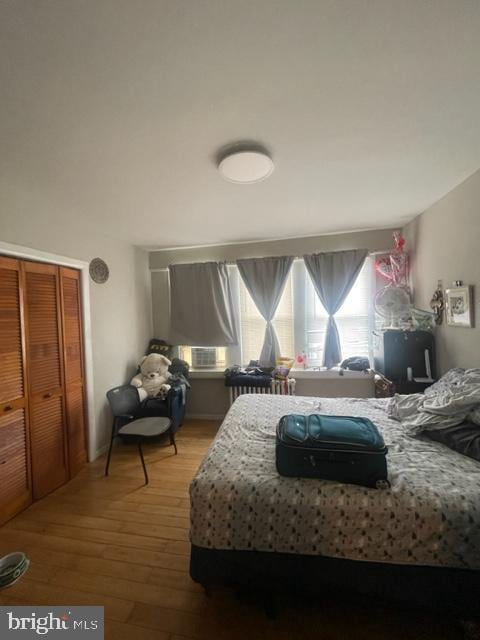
column 113, row 542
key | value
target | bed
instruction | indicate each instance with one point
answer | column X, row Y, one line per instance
column 419, row 540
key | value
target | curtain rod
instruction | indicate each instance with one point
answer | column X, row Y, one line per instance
column 232, row 263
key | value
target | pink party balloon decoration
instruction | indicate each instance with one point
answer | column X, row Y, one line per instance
column 384, row 267
column 394, row 266
column 399, row 241
column 399, row 262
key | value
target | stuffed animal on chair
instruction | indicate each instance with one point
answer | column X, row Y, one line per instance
column 153, row 376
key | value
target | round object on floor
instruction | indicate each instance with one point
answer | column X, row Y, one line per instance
column 12, row 568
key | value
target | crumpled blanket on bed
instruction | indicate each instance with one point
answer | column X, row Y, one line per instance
column 430, row 516
column 447, row 403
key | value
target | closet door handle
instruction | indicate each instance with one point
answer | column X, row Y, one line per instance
column 47, row 395
column 8, row 407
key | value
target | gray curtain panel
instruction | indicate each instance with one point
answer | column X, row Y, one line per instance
column 333, row 275
column 265, row 280
column 201, row 305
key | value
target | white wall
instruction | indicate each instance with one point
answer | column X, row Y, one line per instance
column 444, row 243
column 120, row 309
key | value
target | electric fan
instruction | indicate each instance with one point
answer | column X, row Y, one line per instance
column 393, row 304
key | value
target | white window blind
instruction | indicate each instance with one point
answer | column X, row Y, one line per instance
column 252, row 324
column 354, row 319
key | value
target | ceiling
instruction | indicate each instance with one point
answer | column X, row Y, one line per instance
column 116, row 109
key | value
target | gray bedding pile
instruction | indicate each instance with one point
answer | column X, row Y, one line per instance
column 449, row 402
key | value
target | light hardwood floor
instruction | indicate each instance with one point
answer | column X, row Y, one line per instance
column 114, row 542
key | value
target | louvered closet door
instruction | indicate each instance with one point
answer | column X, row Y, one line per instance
column 45, row 376
column 15, row 485
column 74, row 370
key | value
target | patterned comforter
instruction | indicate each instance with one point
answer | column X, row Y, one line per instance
column 430, row 516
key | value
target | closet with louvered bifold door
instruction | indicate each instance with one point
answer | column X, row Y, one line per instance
column 15, row 477
column 43, row 439
column 43, row 326
column 74, row 374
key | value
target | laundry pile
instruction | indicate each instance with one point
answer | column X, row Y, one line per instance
column 452, row 400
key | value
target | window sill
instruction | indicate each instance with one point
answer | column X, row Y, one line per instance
column 337, row 373
column 206, row 373
column 298, row 374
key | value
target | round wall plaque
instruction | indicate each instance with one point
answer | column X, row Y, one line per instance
column 99, row 270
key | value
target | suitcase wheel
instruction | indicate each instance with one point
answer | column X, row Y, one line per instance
column 382, row 484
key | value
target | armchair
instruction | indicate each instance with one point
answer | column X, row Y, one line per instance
column 174, row 404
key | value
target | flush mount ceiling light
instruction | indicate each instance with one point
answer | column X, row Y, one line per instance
column 246, row 166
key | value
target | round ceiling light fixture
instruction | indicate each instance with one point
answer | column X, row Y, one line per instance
column 246, row 166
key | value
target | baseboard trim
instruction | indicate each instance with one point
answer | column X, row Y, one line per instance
column 205, row 416
column 99, row 452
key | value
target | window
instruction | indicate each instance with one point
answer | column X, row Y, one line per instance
column 354, row 319
column 204, row 357
column 300, row 322
column 252, row 324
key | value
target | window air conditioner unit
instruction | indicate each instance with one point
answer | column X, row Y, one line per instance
column 204, row 357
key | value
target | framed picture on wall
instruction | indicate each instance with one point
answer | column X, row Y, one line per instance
column 459, row 306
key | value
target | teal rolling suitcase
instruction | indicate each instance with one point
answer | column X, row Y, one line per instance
column 341, row 448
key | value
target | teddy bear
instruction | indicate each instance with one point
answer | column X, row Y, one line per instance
column 153, row 376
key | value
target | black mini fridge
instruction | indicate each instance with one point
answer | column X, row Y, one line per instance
column 407, row 358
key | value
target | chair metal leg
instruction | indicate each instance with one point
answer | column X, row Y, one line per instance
column 172, row 441
column 110, row 449
column 140, row 451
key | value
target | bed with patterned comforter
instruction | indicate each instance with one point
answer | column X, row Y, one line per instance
column 429, row 517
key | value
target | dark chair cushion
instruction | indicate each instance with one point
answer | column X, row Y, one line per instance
column 154, row 407
column 173, row 406
column 161, row 347
column 463, row 438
